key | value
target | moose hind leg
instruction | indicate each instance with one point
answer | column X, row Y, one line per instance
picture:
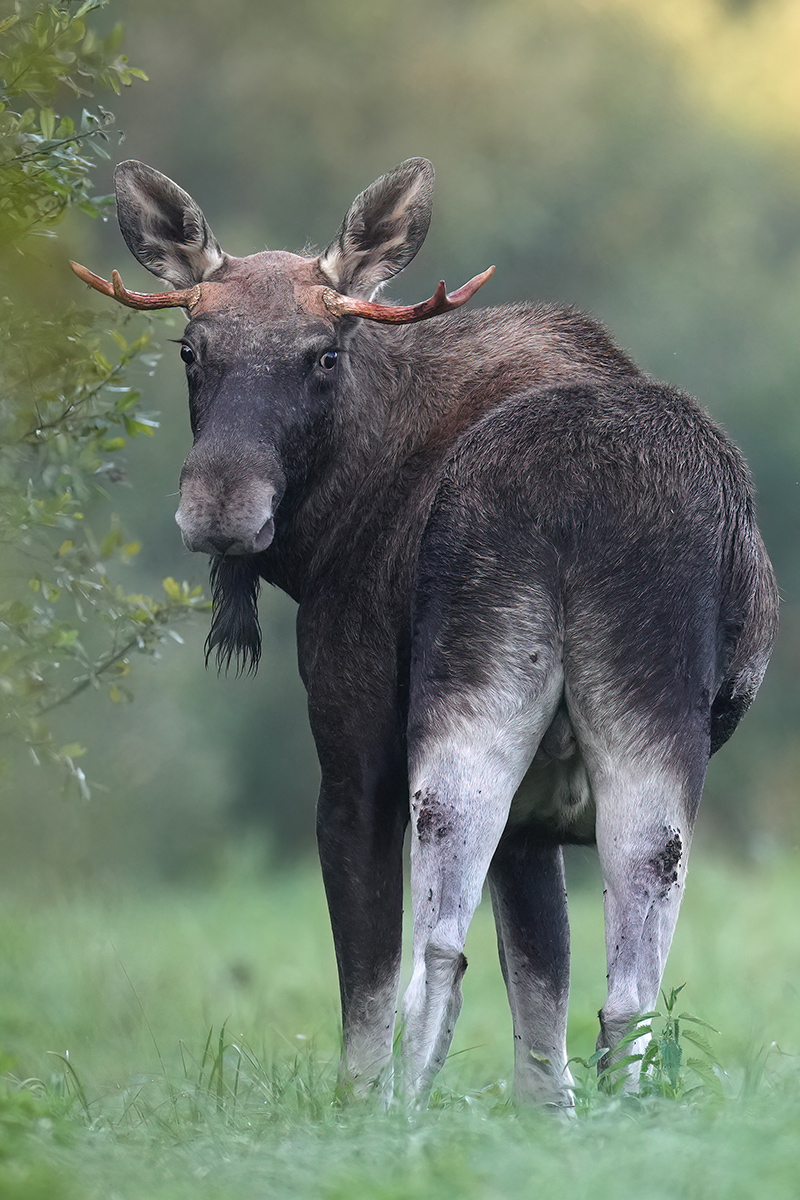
column 462, row 785
column 453, row 839
column 644, row 827
column 529, row 899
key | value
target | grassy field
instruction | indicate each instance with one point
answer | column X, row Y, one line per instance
column 115, row 1007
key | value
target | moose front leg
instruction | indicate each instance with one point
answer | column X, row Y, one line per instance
column 360, row 847
column 529, row 899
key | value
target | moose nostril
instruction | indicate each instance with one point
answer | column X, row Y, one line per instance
column 264, row 536
column 219, row 543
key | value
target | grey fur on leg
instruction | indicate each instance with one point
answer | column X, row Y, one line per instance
column 644, row 828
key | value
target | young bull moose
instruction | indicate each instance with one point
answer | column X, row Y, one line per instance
column 532, row 601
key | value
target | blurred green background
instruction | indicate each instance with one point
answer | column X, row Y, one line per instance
column 639, row 160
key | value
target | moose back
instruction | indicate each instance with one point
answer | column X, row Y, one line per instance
column 532, row 602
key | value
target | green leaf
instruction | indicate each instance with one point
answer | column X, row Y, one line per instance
column 696, row 1021
column 592, row 1061
column 137, row 425
column 127, row 401
column 47, row 123
column 618, row 1067
column 73, row 750
column 707, row 1073
column 670, row 1000
column 172, row 588
column 637, row 1030
column 111, row 542
column 671, row 1056
column 17, row 613
column 698, row 1040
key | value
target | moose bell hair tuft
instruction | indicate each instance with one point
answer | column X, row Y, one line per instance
column 235, row 633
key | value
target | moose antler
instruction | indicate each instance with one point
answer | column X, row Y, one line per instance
column 441, row 301
column 341, row 306
column 186, row 298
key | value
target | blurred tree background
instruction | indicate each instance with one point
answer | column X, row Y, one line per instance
column 641, row 161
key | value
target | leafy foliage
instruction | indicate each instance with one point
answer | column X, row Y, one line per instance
column 678, row 1063
column 67, row 406
column 45, row 158
column 668, row 1058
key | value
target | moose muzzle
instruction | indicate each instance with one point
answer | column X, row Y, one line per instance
column 227, row 507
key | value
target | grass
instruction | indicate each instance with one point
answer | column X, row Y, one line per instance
column 182, row 1042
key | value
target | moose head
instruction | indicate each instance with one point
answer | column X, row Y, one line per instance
column 269, row 351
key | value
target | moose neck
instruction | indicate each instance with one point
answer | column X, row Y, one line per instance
column 335, row 481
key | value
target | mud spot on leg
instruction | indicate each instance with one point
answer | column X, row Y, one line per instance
column 432, row 818
column 665, row 864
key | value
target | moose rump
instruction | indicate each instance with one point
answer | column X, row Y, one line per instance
column 582, row 599
column 532, row 601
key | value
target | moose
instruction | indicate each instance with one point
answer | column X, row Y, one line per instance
column 532, row 600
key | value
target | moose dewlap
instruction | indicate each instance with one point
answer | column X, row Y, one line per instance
column 532, row 601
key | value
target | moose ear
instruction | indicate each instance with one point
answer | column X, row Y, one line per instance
column 382, row 231
column 164, row 227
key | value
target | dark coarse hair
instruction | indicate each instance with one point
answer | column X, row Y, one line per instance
column 235, row 633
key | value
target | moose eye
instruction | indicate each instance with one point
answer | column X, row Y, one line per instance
column 187, row 354
column 329, row 359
